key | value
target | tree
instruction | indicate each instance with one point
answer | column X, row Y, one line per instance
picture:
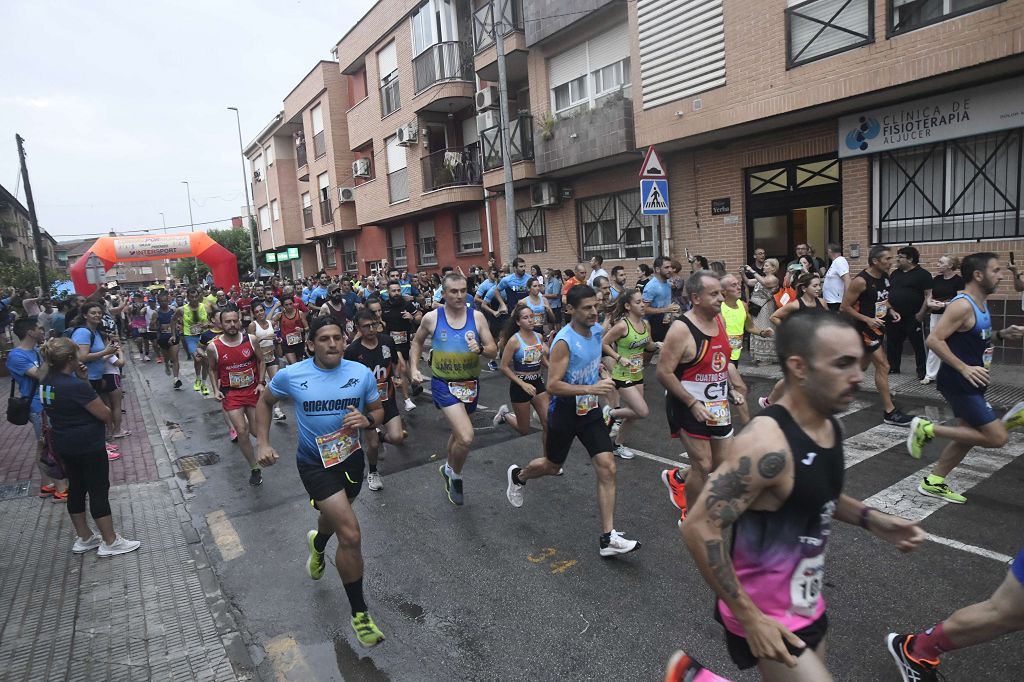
column 235, row 241
column 25, row 275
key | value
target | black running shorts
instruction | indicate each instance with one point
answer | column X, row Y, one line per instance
column 681, row 419
column 390, row 408
column 743, row 657
column 516, row 393
column 564, row 425
column 321, row 483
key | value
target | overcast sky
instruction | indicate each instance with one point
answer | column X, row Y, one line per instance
column 120, row 101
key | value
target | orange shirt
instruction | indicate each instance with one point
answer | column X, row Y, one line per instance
column 569, row 284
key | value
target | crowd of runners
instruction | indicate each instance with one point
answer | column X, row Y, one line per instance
column 351, row 357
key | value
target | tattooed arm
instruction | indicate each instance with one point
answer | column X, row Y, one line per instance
column 759, row 474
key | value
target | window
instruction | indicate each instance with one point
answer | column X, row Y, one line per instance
column 604, row 60
column 426, row 243
column 398, row 178
column 259, row 171
column 387, row 67
column 571, row 94
column 319, row 138
column 530, row 231
column 822, row 28
column 348, row 252
column 396, row 247
column 908, row 15
column 611, row 78
column 324, row 195
column 275, row 210
column 330, row 255
column 307, row 211
column 961, row 189
column 612, row 226
column 264, row 217
column 469, row 239
column 268, row 154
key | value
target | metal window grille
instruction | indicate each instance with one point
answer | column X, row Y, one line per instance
column 910, row 15
column 612, row 226
column 821, row 28
column 531, row 232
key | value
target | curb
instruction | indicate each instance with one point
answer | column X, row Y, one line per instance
column 224, row 614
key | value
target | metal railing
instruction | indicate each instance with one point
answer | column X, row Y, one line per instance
column 326, row 216
column 307, row 217
column 319, row 145
column 398, row 185
column 520, row 135
column 300, row 154
column 390, row 97
column 452, row 166
column 510, row 12
column 441, row 62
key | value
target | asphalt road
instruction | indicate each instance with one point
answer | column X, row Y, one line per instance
column 487, row 591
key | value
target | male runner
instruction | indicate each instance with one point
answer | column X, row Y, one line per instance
column 658, row 299
column 336, row 402
column 963, row 341
column 379, row 353
column 459, row 336
column 737, row 321
column 165, row 324
column 513, row 288
column 781, row 486
column 493, row 308
column 196, row 322
column 400, row 317
column 576, row 379
column 866, row 303
column 694, row 370
column 237, row 375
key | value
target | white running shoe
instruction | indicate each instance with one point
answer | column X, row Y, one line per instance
column 616, row 425
column 409, row 405
column 82, row 546
column 763, row 402
column 617, row 544
column 623, row 452
column 374, row 481
column 606, row 413
column 119, row 546
column 514, row 491
column 278, row 414
column 500, row 417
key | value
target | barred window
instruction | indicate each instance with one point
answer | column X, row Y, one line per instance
column 821, row 28
column 612, row 226
column 908, row 15
column 531, row 231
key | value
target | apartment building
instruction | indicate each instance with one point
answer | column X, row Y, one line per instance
column 16, row 232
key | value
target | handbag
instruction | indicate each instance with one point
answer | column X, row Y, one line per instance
column 784, row 296
column 758, row 300
column 48, row 459
column 19, row 408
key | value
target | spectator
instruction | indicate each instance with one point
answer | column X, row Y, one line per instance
column 765, row 286
column 537, row 274
column 596, row 270
column 45, row 316
column 757, row 264
column 577, row 276
column 910, row 285
column 553, row 294
column 837, row 278
column 658, row 299
column 78, row 418
column 678, row 284
column 58, row 321
column 644, row 274
column 945, row 286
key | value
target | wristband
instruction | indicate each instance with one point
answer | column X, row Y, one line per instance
column 998, row 334
column 864, row 516
column 369, row 418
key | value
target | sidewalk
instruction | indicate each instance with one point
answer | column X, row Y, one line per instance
column 154, row 614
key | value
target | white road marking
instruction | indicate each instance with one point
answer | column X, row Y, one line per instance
column 874, row 441
column 684, row 460
column 980, row 551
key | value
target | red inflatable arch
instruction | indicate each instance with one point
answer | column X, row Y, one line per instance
column 110, row 250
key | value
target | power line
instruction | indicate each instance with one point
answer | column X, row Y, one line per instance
column 147, row 230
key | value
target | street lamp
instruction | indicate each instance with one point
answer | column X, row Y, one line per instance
column 164, row 221
column 245, row 185
column 192, row 227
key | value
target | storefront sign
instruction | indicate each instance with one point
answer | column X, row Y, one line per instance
column 282, row 256
column 984, row 109
column 271, row 257
column 721, row 206
column 293, row 253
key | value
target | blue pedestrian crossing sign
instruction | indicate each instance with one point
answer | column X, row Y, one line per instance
column 654, row 197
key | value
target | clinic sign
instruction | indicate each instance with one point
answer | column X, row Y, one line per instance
column 151, row 247
column 974, row 111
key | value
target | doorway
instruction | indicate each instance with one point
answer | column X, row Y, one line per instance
column 792, row 203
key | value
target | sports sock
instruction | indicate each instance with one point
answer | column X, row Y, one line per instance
column 931, row 644
column 354, row 590
column 515, row 476
column 320, row 542
column 676, row 474
column 451, row 473
column 373, row 468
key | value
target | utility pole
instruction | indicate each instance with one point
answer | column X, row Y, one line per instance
column 245, row 184
column 506, row 146
column 164, row 221
column 36, row 236
column 192, row 228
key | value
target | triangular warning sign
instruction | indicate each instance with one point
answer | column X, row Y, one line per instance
column 652, row 166
column 654, row 199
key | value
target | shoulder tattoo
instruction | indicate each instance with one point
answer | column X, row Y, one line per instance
column 771, row 464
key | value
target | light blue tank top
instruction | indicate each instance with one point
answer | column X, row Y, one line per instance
column 584, row 362
column 526, row 360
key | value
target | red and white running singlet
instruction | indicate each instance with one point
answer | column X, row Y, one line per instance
column 706, row 377
column 236, row 365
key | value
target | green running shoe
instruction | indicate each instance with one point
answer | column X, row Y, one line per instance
column 197, row 385
column 935, row 486
column 921, row 431
column 315, row 563
column 366, row 630
column 1014, row 417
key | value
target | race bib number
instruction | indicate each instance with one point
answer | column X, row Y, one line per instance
column 805, row 586
column 531, row 355
column 720, row 413
column 881, row 309
column 293, row 338
column 736, row 342
column 538, row 320
column 636, row 364
column 400, row 338
column 986, row 357
column 243, row 379
column 465, row 391
column 585, row 403
column 336, row 447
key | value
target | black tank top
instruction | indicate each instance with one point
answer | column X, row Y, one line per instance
column 804, row 306
column 336, row 314
column 873, row 302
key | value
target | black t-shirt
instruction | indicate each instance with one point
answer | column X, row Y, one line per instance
column 75, row 429
column 382, row 361
column 945, row 289
column 396, row 325
column 906, row 289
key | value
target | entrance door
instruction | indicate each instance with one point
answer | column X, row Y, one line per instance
column 791, row 203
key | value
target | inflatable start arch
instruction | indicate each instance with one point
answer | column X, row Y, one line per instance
column 111, row 250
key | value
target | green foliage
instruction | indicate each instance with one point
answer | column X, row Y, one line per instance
column 25, row 275
column 235, row 241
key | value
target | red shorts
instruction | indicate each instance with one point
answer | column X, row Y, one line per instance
column 238, row 398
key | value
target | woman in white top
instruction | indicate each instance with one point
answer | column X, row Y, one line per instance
column 263, row 333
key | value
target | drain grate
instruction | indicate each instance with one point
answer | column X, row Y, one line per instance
column 13, row 491
column 192, row 462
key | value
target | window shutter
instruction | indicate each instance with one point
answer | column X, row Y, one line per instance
column 567, row 66
column 396, row 155
column 609, row 47
column 387, row 61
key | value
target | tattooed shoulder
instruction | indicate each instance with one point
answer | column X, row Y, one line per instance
column 771, row 464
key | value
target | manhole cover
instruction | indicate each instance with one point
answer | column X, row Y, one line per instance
column 192, row 462
column 12, row 491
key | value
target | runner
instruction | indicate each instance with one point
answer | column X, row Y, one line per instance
column 963, row 341
column 292, row 325
column 165, row 324
column 400, row 318
column 493, row 307
column 148, row 335
column 658, row 299
column 263, row 333
column 808, row 297
column 737, row 322
column 379, row 353
column 625, row 343
column 523, row 362
column 334, row 307
column 866, row 302
column 781, row 487
column 538, row 305
column 238, row 380
column 137, row 322
column 196, row 322
column 459, row 336
column 335, row 401
column 694, row 370
column 576, row 379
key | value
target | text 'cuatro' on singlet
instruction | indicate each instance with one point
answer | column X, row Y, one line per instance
column 631, row 347
column 706, row 376
column 584, row 368
column 973, row 347
column 450, row 356
column 779, row 556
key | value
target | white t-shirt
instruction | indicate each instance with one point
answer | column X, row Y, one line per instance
column 594, row 274
column 833, row 289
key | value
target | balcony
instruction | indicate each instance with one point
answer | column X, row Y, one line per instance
column 509, row 12
column 307, row 218
column 451, row 167
column 441, row 62
column 592, row 137
column 300, row 154
column 398, row 185
column 319, row 144
column 520, row 139
column 326, row 217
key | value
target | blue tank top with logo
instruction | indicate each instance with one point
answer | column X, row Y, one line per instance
column 539, row 313
column 584, row 367
column 450, row 356
column 526, row 361
column 163, row 322
column 972, row 347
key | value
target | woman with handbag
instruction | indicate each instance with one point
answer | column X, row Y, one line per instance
column 762, row 301
column 78, row 419
column 26, row 367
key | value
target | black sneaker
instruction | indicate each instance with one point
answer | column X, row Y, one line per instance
column 256, row 477
column 897, row 418
column 911, row 669
column 416, row 390
column 177, row 384
column 453, row 486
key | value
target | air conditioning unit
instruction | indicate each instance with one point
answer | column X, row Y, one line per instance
column 361, row 168
column 486, row 120
column 346, row 195
column 544, row 194
column 487, row 98
column 407, row 135
column 257, row 176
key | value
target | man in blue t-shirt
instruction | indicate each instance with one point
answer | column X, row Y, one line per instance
column 335, row 400
column 658, row 299
column 513, row 287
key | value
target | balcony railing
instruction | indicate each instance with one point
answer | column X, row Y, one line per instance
column 398, row 185
column 319, row 145
column 300, row 155
column 441, row 62
column 307, row 217
column 452, row 166
column 510, row 14
column 326, row 216
column 390, row 97
column 520, row 139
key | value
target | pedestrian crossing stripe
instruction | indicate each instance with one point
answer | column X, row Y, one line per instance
column 654, row 199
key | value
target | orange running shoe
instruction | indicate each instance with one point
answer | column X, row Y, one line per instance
column 676, row 488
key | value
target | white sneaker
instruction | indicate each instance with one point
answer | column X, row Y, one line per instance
column 119, row 546
column 374, row 481
column 616, row 425
column 514, row 491
column 763, row 402
column 618, row 545
column 606, row 413
column 623, row 452
column 409, row 405
column 82, row 546
column 500, row 417
column 278, row 414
